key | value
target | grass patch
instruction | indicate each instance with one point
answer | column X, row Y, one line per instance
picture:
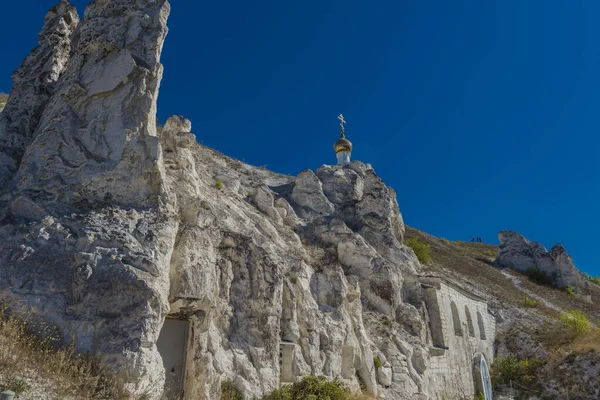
column 230, row 392
column 421, row 250
column 571, row 291
column 377, row 362
column 577, row 321
column 29, row 348
column 314, row 388
column 219, row 184
column 530, row 303
column 589, row 278
column 17, row 385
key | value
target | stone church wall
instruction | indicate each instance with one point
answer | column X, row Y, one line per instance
column 454, row 350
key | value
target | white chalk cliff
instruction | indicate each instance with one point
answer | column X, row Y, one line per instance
column 109, row 224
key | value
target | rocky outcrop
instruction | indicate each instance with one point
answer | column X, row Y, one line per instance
column 110, row 225
column 86, row 227
column 517, row 252
column 33, row 86
column 96, row 140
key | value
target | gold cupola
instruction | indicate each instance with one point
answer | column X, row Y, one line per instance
column 342, row 144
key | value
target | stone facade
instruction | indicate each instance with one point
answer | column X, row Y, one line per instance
column 461, row 329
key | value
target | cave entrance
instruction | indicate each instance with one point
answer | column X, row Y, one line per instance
column 172, row 345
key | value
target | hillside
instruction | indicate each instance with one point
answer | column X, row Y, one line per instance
column 567, row 364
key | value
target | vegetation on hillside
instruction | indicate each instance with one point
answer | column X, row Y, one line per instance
column 3, row 99
column 530, row 303
column 309, row 388
column 29, row 354
column 577, row 321
column 421, row 250
column 593, row 279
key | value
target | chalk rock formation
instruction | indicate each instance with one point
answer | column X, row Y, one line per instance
column 33, row 86
column 519, row 253
column 110, row 224
column 79, row 135
column 96, row 139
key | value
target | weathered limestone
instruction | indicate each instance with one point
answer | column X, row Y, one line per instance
column 80, row 128
column 33, row 86
column 96, row 140
column 112, row 225
column 519, row 253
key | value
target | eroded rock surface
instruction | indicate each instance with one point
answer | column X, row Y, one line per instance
column 110, row 225
column 519, row 253
column 33, row 86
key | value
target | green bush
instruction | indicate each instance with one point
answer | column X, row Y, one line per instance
column 593, row 279
column 538, row 276
column 377, row 362
column 317, row 387
column 577, row 321
column 511, row 369
column 230, row 392
column 571, row 291
column 421, row 250
column 219, row 184
column 530, row 303
column 445, row 241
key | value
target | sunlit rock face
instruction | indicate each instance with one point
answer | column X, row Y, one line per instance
column 109, row 225
column 33, row 86
column 85, row 231
column 519, row 253
column 96, row 139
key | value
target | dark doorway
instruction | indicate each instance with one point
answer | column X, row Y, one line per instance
column 172, row 345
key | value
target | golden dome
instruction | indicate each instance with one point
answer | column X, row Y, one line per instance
column 342, row 144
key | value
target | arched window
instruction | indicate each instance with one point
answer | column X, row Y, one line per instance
column 481, row 326
column 456, row 319
column 469, row 322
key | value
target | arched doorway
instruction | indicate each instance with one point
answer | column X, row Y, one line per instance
column 481, row 375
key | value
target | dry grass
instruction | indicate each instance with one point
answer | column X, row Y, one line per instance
column 560, row 340
column 32, row 354
column 3, row 98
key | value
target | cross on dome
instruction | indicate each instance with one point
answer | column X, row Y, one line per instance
column 342, row 122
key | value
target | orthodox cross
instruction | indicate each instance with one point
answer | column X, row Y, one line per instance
column 342, row 122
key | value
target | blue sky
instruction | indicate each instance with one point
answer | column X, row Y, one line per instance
column 483, row 115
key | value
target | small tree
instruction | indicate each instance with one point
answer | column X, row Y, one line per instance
column 421, row 250
column 577, row 321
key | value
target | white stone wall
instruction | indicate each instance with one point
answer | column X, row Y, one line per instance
column 451, row 367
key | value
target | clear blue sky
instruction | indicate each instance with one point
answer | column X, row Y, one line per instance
column 483, row 115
